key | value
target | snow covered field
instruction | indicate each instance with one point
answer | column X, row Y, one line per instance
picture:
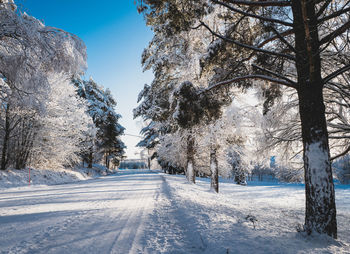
column 149, row 212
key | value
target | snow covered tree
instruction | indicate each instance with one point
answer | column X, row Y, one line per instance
column 175, row 63
column 62, row 127
column 101, row 108
column 290, row 37
column 31, row 55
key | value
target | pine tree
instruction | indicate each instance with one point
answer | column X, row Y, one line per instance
column 101, row 106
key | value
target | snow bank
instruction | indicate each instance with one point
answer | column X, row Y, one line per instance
column 17, row 178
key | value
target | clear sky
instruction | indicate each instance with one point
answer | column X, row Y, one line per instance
column 115, row 36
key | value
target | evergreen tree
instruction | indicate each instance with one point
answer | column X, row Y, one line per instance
column 101, row 104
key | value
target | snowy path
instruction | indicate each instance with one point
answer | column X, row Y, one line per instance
column 106, row 215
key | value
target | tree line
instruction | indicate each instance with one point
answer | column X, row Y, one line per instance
column 49, row 116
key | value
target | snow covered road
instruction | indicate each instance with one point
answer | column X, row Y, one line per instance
column 96, row 216
column 150, row 212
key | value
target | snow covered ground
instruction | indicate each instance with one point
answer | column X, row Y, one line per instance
column 149, row 212
column 258, row 218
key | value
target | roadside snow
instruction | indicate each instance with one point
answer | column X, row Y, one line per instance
column 17, row 178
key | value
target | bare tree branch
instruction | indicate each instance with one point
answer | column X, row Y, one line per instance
column 257, row 49
column 261, row 3
column 341, row 154
column 323, row 8
column 336, row 73
column 253, row 15
column 334, row 15
column 285, row 33
column 276, row 74
column 280, row 36
column 255, row 76
column 335, row 33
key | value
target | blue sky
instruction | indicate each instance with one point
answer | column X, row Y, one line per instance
column 115, row 36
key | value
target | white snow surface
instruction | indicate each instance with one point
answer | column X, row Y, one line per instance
column 145, row 211
column 17, row 178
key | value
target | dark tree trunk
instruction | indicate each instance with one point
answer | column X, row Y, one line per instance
column 190, row 172
column 91, row 157
column 320, row 215
column 4, row 159
column 214, row 168
column 107, row 159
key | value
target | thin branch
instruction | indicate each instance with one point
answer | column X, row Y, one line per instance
column 257, row 49
column 323, row 8
column 335, row 33
column 285, row 33
column 283, row 39
column 334, row 15
column 341, row 154
column 253, row 15
column 339, row 137
column 336, row 73
column 276, row 74
column 261, row 3
column 256, row 76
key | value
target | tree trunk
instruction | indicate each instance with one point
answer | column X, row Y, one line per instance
column 107, row 159
column 214, row 168
column 6, row 139
column 319, row 188
column 91, row 157
column 320, row 214
column 190, row 172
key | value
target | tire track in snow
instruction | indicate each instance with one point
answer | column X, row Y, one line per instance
column 112, row 225
column 125, row 239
